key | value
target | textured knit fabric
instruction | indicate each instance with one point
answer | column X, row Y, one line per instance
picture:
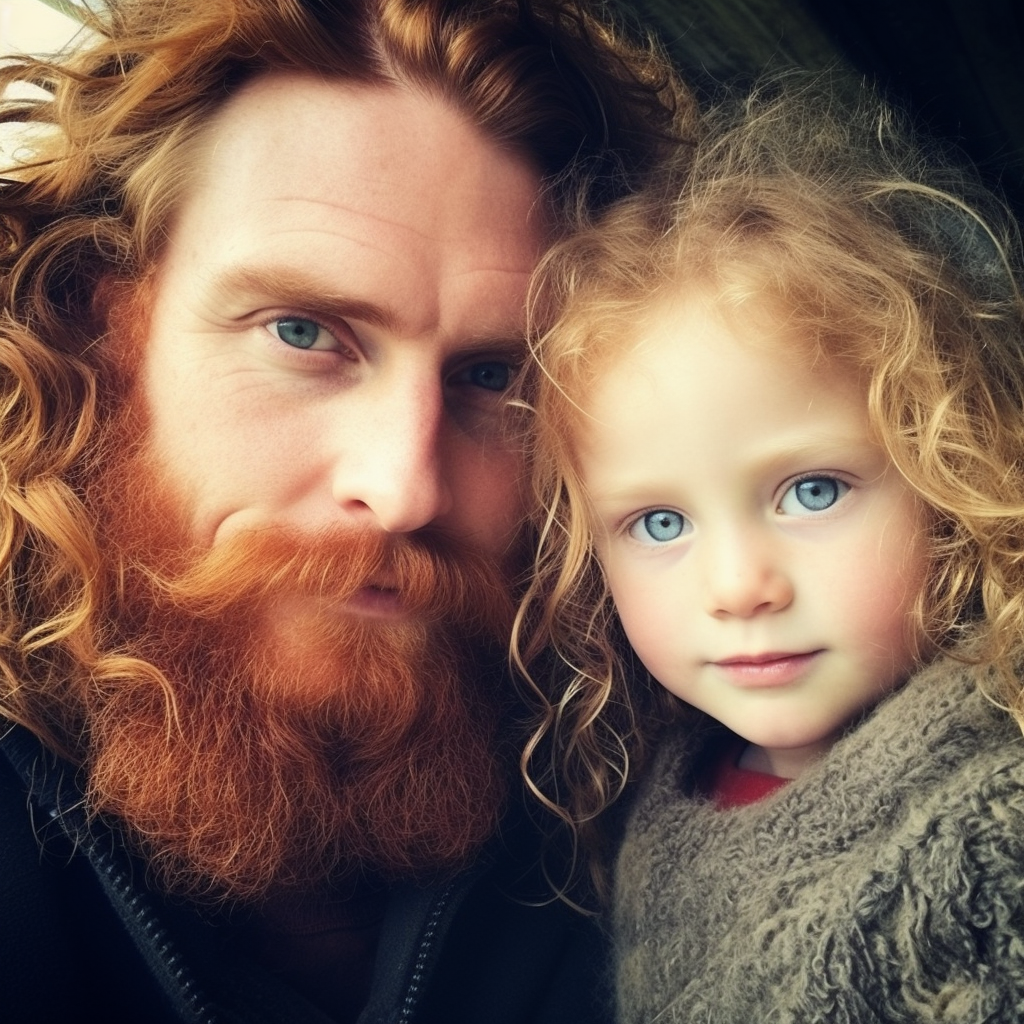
column 885, row 884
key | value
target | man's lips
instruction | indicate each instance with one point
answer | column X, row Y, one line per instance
column 772, row 668
column 376, row 600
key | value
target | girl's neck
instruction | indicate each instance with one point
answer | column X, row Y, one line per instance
column 786, row 764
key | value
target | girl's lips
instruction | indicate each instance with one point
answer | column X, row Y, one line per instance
column 760, row 671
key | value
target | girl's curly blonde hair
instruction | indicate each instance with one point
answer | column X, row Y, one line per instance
column 879, row 253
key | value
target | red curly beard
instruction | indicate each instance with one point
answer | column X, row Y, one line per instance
column 256, row 736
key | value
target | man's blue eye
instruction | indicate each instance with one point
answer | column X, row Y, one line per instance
column 660, row 526
column 490, row 376
column 812, row 494
column 297, row 332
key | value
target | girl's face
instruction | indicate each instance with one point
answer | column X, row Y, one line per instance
column 762, row 551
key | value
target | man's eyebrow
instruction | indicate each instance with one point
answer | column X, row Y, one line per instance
column 288, row 288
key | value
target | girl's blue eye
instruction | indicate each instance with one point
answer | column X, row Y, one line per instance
column 660, row 526
column 297, row 332
column 811, row 495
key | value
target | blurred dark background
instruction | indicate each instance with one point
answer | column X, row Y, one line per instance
column 957, row 65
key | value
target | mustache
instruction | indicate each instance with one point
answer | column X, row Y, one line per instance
column 434, row 577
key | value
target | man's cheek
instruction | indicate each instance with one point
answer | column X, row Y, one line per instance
column 489, row 506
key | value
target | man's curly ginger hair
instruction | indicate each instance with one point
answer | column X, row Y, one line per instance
column 82, row 224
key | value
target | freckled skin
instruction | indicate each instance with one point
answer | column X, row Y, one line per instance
column 785, row 530
column 378, row 223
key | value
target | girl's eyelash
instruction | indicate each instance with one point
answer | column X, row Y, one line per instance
column 628, row 522
column 816, row 474
column 821, row 474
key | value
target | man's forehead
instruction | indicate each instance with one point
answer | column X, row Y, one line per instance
column 292, row 125
column 395, row 167
column 376, row 194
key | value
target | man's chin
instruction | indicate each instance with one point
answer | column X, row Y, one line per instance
column 379, row 760
column 270, row 737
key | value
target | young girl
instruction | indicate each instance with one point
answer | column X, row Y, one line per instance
column 781, row 442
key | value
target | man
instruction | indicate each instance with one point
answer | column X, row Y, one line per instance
column 262, row 505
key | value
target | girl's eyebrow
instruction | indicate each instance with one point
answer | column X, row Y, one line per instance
column 814, row 447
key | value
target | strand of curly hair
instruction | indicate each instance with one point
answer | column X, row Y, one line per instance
column 886, row 258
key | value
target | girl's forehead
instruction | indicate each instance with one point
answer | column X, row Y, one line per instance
column 695, row 336
column 690, row 353
column 699, row 316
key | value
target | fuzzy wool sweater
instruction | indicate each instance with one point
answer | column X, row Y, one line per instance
column 885, row 884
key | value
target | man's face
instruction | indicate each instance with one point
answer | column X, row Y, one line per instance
column 336, row 318
column 315, row 462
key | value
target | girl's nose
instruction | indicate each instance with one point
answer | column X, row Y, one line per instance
column 745, row 577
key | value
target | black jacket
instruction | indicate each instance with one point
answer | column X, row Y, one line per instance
column 84, row 938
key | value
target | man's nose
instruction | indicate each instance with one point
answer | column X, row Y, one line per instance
column 745, row 576
column 392, row 473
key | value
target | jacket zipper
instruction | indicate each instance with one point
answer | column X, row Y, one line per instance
column 187, row 998
column 430, row 933
column 50, row 791
column 178, row 983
